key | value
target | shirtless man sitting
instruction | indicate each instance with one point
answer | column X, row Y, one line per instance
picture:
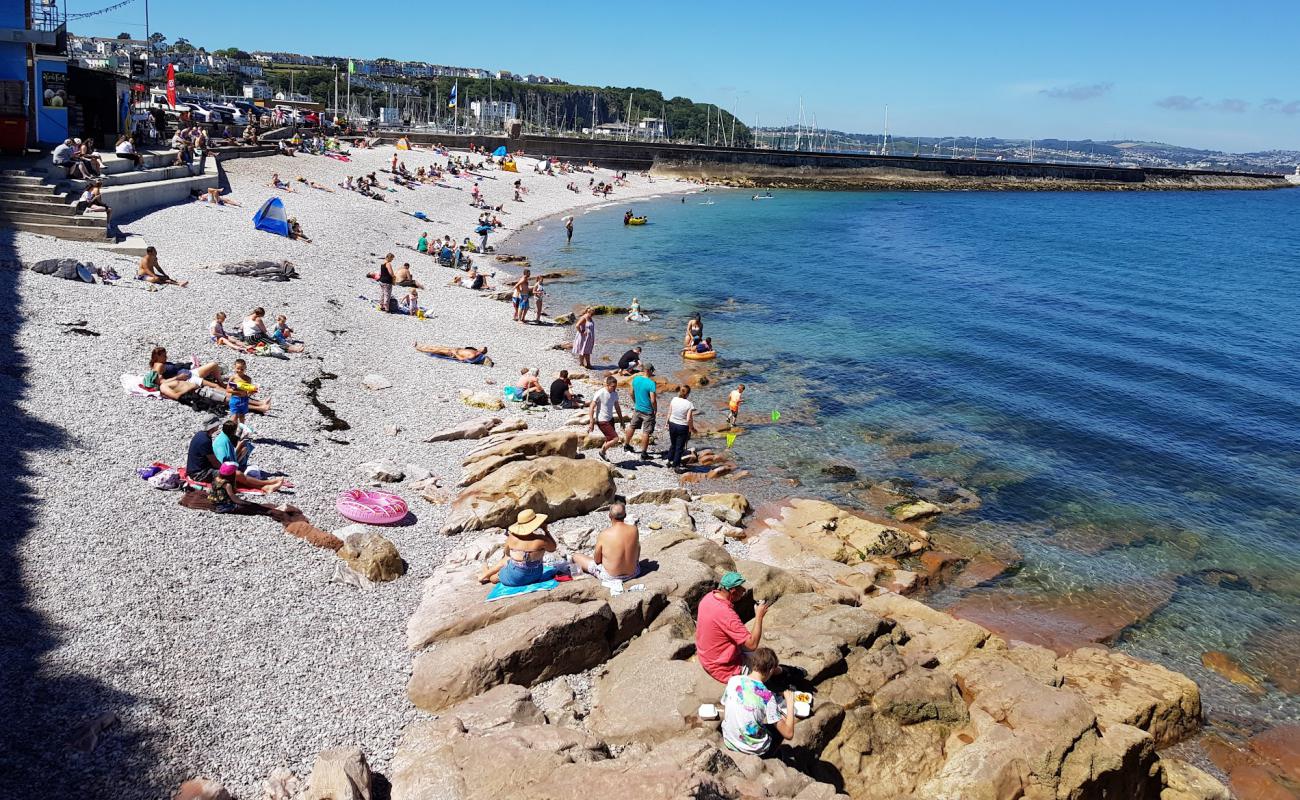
column 149, row 269
column 618, row 549
column 469, row 355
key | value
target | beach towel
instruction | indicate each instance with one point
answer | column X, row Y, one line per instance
column 547, row 583
column 200, row 485
column 132, row 385
column 479, row 359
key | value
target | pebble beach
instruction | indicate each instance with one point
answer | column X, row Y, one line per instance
column 220, row 643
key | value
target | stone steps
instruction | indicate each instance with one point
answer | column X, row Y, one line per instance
column 46, row 205
column 40, row 218
column 77, row 233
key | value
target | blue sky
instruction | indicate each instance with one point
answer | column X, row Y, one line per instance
column 1222, row 75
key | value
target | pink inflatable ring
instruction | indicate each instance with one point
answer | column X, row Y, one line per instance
column 372, row 508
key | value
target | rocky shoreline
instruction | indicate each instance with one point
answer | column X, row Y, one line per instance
column 371, row 665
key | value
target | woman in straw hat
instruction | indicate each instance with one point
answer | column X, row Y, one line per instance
column 527, row 543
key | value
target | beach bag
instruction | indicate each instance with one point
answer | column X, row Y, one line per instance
column 512, row 394
column 166, row 479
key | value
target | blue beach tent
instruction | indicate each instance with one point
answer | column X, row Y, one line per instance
column 271, row 217
column 500, row 151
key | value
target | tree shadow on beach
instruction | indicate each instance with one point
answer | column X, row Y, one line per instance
column 43, row 703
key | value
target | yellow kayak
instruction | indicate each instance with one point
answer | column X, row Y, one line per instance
column 637, row 221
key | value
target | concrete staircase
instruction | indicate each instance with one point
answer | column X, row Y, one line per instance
column 41, row 199
column 28, row 203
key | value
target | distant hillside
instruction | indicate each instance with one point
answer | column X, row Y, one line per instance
column 561, row 107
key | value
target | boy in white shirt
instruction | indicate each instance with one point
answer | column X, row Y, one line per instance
column 604, row 410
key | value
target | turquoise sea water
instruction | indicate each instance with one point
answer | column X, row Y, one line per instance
column 1115, row 375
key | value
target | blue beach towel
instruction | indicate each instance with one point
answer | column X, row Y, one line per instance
column 547, row 583
column 476, row 360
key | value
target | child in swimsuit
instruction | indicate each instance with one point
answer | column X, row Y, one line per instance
column 283, row 335
column 238, row 389
column 219, row 336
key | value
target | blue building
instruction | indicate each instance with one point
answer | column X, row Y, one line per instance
column 33, row 73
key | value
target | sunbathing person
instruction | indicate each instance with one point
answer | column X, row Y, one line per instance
column 214, row 197
column 175, row 381
column 469, row 355
column 527, row 543
column 618, row 549
column 315, row 185
column 150, row 270
column 405, row 278
column 473, row 280
column 276, row 183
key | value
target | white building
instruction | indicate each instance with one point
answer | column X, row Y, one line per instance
column 651, row 128
column 493, row 112
column 257, row 91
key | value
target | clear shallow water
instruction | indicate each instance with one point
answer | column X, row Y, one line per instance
column 1117, row 376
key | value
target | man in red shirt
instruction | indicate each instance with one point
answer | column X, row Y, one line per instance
column 721, row 640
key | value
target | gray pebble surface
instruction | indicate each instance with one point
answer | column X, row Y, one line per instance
column 220, row 642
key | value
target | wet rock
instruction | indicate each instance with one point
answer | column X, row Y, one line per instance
column 1228, row 667
column 1064, row 622
column 470, row 429
column 1280, row 747
column 840, row 472
column 1252, row 782
column 1183, row 781
column 1275, row 652
column 553, row 485
column 915, row 510
column 340, row 774
column 840, row 535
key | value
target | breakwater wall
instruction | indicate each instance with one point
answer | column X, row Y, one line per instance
column 792, row 169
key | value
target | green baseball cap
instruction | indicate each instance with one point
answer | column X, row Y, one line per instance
column 732, row 580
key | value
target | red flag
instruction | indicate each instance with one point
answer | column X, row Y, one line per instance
column 171, row 85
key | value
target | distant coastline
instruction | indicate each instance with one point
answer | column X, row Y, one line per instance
column 783, row 169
